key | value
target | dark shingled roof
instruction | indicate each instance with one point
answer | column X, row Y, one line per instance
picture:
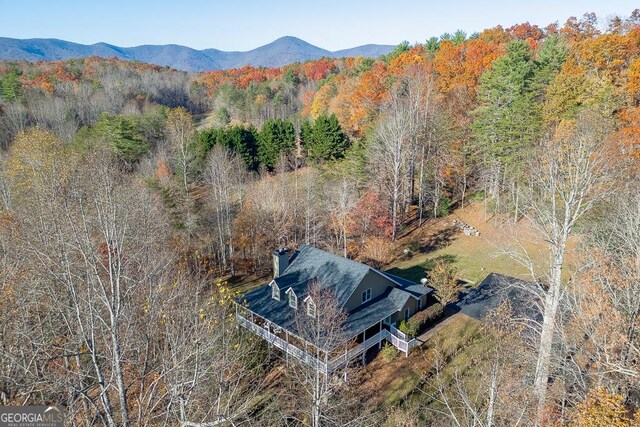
column 496, row 289
column 375, row 311
column 331, row 271
column 260, row 302
column 415, row 289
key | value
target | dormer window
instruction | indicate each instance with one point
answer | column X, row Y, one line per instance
column 293, row 299
column 366, row 296
column 275, row 291
column 311, row 308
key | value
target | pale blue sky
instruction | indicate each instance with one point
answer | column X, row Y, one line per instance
column 246, row 24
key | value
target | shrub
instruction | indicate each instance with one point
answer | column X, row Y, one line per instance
column 388, row 352
column 476, row 197
column 424, row 318
column 432, row 313
column 408, row 328
column 444, row 206
column 413, row 246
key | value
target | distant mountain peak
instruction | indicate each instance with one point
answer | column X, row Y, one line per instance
column 282, row 51
column 289, row 38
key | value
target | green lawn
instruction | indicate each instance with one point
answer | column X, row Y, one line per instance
column 472, row 262
column 400, row 387
column 473, row 256
column 462, row 345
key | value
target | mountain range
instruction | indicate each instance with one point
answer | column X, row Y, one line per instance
column 280, row 52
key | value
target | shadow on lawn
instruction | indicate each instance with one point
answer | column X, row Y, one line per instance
column 418, row 271
column 440, row 240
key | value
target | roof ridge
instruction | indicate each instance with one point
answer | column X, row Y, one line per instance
column 352, row 261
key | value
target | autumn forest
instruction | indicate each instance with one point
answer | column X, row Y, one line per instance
column 137, row 202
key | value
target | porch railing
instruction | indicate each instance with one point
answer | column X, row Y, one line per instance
column 290, row 349
column 400, row 340
column 356, row 351
column 335, row 363
column 395, row 331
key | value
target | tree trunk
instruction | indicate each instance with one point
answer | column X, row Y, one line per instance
column 515, row 218
column 117, row 370
column 421, row 188
column 552, row 299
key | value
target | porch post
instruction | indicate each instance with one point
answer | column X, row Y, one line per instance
column 286, row 351
column 380, row 338
column 270, row 340
column 346, row 364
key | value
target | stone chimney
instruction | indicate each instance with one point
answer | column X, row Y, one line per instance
column 280, row 261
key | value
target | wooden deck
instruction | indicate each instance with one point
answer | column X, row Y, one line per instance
column 328, row 366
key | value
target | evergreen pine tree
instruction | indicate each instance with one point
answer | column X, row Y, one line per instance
column 325, row 139
column 275, row 138
column 11, row 86
column 547, row 64
column 507, row 120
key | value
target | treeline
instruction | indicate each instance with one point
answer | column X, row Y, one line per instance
column 480, row 103
column 317, row 141
column 67, row 95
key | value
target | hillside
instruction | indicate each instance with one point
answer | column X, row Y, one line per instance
column 283, row 51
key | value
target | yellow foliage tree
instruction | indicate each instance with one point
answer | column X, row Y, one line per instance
column 601, row 408
column 38, row 163
column 321, row 100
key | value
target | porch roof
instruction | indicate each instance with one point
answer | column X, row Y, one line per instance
column 375, row 311
column 279, row 313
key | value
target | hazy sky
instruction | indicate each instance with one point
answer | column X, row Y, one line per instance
column 245, row 24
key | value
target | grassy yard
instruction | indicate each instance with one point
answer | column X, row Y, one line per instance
column 407, row 379
column 473, row 256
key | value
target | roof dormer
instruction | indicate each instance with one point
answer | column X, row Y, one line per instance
column 311, row 306
column 275, row 290
column 293, row 299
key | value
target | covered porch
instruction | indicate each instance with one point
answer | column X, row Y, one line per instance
column 323, row 360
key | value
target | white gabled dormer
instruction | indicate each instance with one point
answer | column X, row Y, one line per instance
column 275, row 290
column 311, row 307
column 293, row 299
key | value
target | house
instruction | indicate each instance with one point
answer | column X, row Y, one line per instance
column 374, row 303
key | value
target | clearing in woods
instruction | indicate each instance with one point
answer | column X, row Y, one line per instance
column 473, row 256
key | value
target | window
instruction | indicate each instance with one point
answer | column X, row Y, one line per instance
column 293, row 300
column 311, row 308
column 366, row 295
column 419, row 304
column 275, row 291
column 406, row 314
